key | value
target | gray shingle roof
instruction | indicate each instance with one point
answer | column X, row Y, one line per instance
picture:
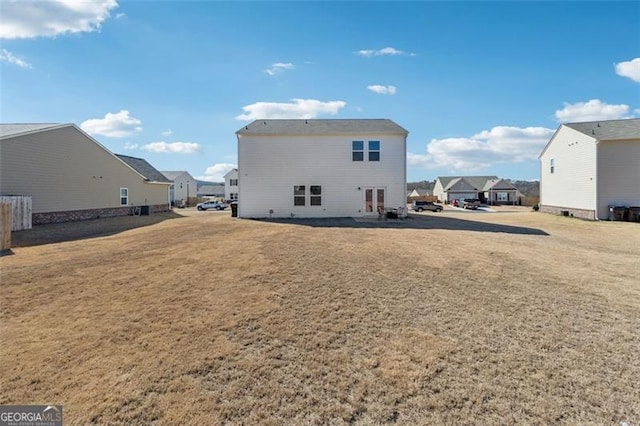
column 145, row 169
column 322, row 126
column 610, row 129
column 14, row 129
column 478, row 182
column 172, row 175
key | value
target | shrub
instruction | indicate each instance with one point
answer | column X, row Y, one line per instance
column 535, row 207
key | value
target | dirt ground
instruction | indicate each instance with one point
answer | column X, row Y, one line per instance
column 442, row 318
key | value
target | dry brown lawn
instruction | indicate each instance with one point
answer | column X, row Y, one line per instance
column 451, row 318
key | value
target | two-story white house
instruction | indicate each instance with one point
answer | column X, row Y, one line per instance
column 184, row 186
column 231, row 185
column 321, row 168
column 587, row 167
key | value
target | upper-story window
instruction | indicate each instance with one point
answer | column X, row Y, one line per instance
column 357, row 150
column 374, row 150
column 233, row 182
column 552, row 165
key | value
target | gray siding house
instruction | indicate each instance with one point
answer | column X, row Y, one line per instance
column 70, row 176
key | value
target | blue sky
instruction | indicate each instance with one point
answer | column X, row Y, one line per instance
column 480, row 86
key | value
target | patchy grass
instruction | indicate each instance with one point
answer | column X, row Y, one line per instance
column 454, row 318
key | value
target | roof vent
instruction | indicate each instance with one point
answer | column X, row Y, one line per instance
column 264, row 122
column 598, row 124
column 306, row 122
column 593, row 132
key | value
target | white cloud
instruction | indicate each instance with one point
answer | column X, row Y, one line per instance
column 118, row 125
column 216, row 172
column 130, row 146
column 501, row 144
column 29, row 18
column 386, row 51
column 5, row 55
column 592, row 110
column 629, row 69
column 167, row 133
column 297, row 108
column 279, row 67
column 173, row 147
column 382, row 90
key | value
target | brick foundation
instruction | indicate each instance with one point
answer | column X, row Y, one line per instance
column 572, row 212
column 79, row 215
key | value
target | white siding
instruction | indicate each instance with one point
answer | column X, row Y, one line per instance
column 62, row 170
column 185, row 186
column 228, row 188
column 438, row 191
column 573, row 183
column 618, row 175
column 270, row 166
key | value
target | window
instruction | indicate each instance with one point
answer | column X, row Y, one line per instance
column 124, row 196
column 316, row 195
column 233, row 182
column 502, row 196
column 299, row 192
column 374, row 150
column 552, row 165
column 357, row 150
column 233, row 195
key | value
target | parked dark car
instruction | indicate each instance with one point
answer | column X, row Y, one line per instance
column 419, row 206
column 471, row 203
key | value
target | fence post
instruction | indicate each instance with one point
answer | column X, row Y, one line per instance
column 5, row 226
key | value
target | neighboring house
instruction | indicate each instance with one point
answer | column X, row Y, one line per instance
column 211, row 191
column 231, row 185
column 321, row 168
column 70, row 176
column 184, row 186
column 420, row 192
column 488, row 189
column 587, row 167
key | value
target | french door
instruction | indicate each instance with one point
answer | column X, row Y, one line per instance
column 373, row 199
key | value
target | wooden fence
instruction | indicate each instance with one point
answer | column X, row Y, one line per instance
column 20, row 211
column 5, row 226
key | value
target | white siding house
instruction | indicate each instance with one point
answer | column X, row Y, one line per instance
column 587, row 167
column 184, row 186
column 320, row 168
column 70, row 176
column 231, row 185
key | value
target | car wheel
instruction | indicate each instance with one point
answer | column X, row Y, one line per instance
column 200, row 208
column 420, row 209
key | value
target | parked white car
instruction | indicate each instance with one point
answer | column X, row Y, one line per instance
column 217, row 205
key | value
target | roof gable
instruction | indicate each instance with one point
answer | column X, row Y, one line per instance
column 321, row 126
column 476, row 182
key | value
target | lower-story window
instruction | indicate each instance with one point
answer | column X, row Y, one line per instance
column 233, row 196
column 316, row 195
column 502, row 196
column 124, row 196
column 299, row 195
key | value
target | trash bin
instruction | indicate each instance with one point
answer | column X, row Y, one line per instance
column 234, row 209
column 634, row 214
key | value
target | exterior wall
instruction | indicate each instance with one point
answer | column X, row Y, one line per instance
column 512, row 196
column 438, row 191
column 573, row 183
column 618, row 175
column 228, row 188
column 270, row 166
column 458, row 195
column 64, row 170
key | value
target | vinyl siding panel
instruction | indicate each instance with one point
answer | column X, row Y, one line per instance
column 270, row 166
column 63, row 170
column 573, row 183
column 618, row 175
column 228, row 188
